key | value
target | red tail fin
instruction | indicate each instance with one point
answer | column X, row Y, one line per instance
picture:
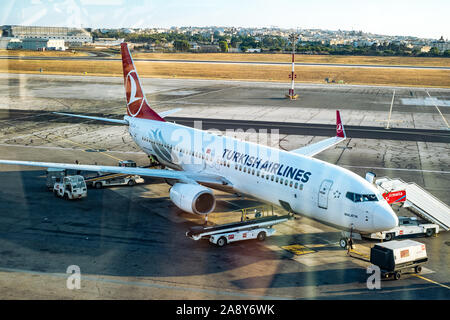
column 340, row 131
column 137, row 105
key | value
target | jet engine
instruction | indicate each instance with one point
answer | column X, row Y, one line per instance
column 193, row 198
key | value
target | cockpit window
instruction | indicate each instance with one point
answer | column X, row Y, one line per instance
column 356, row 197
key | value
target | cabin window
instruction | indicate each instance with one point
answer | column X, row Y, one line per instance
column 245, row 169
column 276, row 179
column 272, row 178
column 257, row 173
column 240, row 168
column 296, row 185
column 301, row 186
column 262, row 175
column 290, row 184
column 253, row 172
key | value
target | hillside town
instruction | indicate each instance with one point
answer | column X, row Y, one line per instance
column 223, row 39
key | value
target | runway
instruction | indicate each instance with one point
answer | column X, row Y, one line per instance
column 130, row 242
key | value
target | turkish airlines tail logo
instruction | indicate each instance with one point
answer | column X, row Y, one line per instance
column 135, row 97
column 137, row 105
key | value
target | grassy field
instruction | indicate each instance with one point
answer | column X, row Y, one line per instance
column 254, row 57
column 373, row 76
column 247, row 57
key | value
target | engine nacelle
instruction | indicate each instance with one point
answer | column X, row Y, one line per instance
column 193, row 198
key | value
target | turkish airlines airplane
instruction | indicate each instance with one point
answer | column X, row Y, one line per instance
column 200, row 161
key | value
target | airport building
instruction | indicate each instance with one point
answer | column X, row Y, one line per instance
column 70, row 36
column 38, row 44
column 107, row 42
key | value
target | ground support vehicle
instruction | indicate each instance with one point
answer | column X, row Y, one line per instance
column 407, row 226
column 258, row 228
column 113, row 179
column 395, row 257
column 71, row 187
column 222, row 239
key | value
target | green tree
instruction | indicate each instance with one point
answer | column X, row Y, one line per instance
column 181, row 45
column 434, row 51
column 223, row 46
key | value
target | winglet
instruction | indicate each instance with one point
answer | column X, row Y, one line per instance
column 340, row 131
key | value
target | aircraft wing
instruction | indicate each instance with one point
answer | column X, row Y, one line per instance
column 183, row 176
column 162, row 114
column 92, row 118
column 315, row 148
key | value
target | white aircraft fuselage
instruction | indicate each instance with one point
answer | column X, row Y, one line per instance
column 307, row 186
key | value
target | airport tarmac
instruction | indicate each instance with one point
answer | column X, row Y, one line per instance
column 130, row 242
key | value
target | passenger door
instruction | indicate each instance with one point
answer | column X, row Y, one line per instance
column 324, row 190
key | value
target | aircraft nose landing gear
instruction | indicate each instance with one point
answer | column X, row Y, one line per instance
column 343, row 243
column 346, row 242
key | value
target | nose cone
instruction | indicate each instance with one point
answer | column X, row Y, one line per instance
column 385, row 218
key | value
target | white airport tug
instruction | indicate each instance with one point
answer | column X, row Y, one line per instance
column 71, row 187
column 407, row 226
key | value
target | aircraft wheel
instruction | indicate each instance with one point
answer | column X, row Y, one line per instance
column 429, row 232
column 131, row 182
column 343, row 243
column 261, row 236
column 418, row 269
column 389, row 237
column 221, row 242
column 397, row 275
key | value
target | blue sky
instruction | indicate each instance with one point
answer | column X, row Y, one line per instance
column 393, row 17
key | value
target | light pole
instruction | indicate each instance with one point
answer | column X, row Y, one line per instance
column 293, row 38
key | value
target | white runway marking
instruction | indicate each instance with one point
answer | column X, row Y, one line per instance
column 435, row 104
column 425, row 102
column 390, row 110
